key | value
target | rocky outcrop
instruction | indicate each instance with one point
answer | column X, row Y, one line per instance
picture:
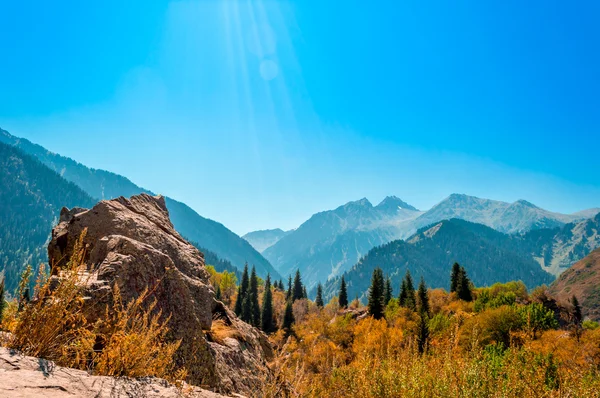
column 131, row 243
column 29, row 377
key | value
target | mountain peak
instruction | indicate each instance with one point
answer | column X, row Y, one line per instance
column 394, row 203
column 524, row 203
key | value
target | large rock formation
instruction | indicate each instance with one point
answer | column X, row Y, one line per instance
column 132, row 244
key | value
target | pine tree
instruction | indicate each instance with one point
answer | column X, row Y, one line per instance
column 253, row 295
column 242, row 291
column 454, row 276
column 297, row 292
column 407, row 293
column 319, row 298
column 218, row 293
column 422, row 333
column 304, row 293
column 423, row 298
column 376, row 293
column 266, row 316
column 387, row 296
column 288, row 295
column 288, row 317
column 246, row 315
column 343, row 295
column 463, row 287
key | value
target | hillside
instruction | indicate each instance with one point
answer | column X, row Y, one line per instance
column 583, row 281
column 102, row 184
column 332, row 241
column 262, row 240
column 489, row 256
column 31, row 197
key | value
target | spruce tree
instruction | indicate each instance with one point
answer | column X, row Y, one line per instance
column 463, row 287
column 454, row 276
column 218, row 293
column 387, row 296
column 242, row 292
column 319, row 298
column 376, row 293
column 423, row 298
column 297, row 292
column 407, row 293
column 576, row 317
column 304, row 293
column 288, row 317
column 288, row 295
column 266, row 316
column 246, row 315
column 343, row 295
column 253, row 295
column 422, row 333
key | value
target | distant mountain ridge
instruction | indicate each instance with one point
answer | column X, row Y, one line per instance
column 102, row 184
column 31, row 197
column 263, row 239
column 330, row 242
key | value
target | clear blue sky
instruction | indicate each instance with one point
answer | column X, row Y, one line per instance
column 259, row 114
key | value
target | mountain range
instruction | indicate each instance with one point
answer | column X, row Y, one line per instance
column 331, row 242
column 101, row 184
column 263, row 239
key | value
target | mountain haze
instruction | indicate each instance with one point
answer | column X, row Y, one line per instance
column 103, row 184
column 262, row 240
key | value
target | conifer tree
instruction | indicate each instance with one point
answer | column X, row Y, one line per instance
column 463, row 287
column 242, row 291
column 376, row 294
column 423, row 298
column 387, row 296
column 407, row 293
column 304, row 293
column 288, row 317
column 288, row 295
column 297, row 293
column 319, row 298
column 343, row 295
column 576, row 317
column 246, row 315
column 266, row 316
column 454, row 276
column 253, row 295
column 422, row 333
column 218, row 293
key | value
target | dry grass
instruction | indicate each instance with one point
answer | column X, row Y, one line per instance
column 219, row 331
column 129, row 341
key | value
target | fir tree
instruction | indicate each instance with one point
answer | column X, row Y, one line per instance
column 297, row 292
column 218, row 293
column 266, row 316
column 242, row 291
column 288, row 295
column 463, row 287
column 253, row 296
column 246, row 315
column 319, row 298
column 387, row 296
column 454, row 275
column 423, row 298
column 407, row 293
column 422, row 333
column 376, row 294
column 343, row 295
column 288, row 317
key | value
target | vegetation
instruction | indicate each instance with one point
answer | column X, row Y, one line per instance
column 504, row 342
column 343, row 294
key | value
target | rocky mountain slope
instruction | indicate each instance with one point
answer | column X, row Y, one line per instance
column 102, row 184
column 489, row 256
column 518, row 217
column 332, row 241
column 31, row 196
column 583, row 281
column 132, row 244
column 28, row 377
column 263, row 239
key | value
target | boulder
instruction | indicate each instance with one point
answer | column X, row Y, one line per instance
column 131, row 243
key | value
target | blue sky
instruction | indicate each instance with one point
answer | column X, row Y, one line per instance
column 259, row 114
